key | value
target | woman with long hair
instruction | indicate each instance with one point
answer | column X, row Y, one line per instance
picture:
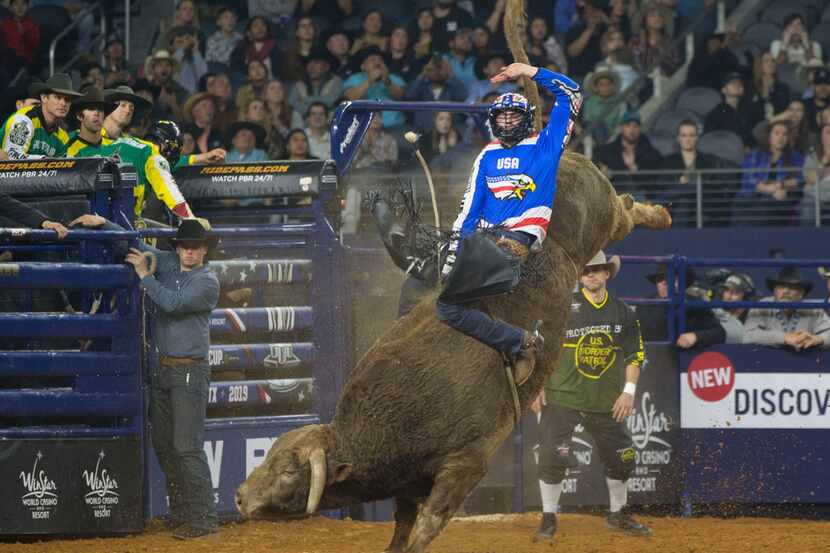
column 441, row 139
column 542, row 43
column 817, row 180
column 258, row 45
column 257, row 112
column 297, row 146
column 420, row 33
column 400, row 59
column 372, row 34
column 801, row 137
column 769, row 94
column 652, row 46
column 296, row 54
column 283, row 116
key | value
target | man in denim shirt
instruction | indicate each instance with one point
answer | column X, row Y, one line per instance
column 185, row 291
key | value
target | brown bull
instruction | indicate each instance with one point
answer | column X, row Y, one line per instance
column 426, row 406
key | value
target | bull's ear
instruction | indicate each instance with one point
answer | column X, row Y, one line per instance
column 341, row 471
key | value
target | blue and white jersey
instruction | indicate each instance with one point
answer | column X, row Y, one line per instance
column 514, row 187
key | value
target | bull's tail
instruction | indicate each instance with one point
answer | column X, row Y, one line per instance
column 630, row 213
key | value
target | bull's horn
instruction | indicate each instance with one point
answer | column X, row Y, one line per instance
column 318, row 480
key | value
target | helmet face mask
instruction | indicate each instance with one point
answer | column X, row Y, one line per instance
column 511, row 102
column 167, row 136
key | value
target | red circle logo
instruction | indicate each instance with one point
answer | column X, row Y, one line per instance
column 711, row 376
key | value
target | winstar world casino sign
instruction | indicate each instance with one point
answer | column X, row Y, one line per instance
column 713, row 394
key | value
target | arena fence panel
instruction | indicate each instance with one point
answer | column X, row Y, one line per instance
column 71, row 401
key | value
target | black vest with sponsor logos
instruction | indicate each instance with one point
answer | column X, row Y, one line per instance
column 600, row 341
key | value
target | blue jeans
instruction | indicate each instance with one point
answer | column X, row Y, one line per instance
column 499, row 335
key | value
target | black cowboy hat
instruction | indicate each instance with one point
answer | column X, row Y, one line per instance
column 662, row 271
column 361, row 55
column 92, row 97
column 195, row 230
column 258, row 131
column 791, row 277
column 124, row 93
column 59, row 83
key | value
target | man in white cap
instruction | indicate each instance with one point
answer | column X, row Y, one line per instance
column 602, row 338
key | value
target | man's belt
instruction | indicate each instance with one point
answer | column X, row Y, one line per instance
column 170, row 361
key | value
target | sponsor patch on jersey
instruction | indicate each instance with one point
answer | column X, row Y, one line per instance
column 595, row 353
column 19, row 133
column 509, row 187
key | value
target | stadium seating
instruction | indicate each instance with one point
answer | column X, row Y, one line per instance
column 664, row 141
column 777, row 12
column 724, row 144
column 789, row 75
column 668, row 120
column 699, row 99
column 821, row 34
column 761, row 34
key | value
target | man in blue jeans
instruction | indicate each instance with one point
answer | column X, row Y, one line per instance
column 512, row 187
column 185, row 291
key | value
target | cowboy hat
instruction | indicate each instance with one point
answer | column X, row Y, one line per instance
column 789, row 276
column 612, row 264
column 191, row 102
column 159, row 55
column 195, row 230
column 259, row 132
column 662, row 271
column 124, row 93
column 59, row 83
column 93, row 97
column 602, row 73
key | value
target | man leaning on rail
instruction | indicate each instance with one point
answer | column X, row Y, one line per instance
column 185, row 291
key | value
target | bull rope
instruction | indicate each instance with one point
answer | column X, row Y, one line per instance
column 515, row 22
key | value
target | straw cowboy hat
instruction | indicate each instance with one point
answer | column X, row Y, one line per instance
column 789, row 276
column 191, row 102
column 159, row 55
column 59, row 83
column 603, row 73
column 612, row 264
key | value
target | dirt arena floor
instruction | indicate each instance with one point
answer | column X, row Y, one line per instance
column 488, row 534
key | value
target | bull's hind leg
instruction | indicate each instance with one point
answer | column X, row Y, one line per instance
column 453, row 482
column 630, row 213
column 405, row 512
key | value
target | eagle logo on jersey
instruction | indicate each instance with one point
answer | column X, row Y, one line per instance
column 511, row 187
column 18, row 133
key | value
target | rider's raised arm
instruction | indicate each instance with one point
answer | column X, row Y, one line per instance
column 568, row 94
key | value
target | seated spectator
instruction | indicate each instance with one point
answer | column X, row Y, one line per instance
column 597, row 112
column 817, row 180
column 184, row 43
column 821, row 96
column 440, row 145
column 480, row 38
column 347, row 14
column 189, row 133
column 734, row 113
column 273, row 11
column 22, row 37
column 379, row 149
column 92, row 74
column 283, row 116
column 317, row 131
column 200, row 109
column 297, row 146
column 620, row 14
column 736, row 287
column 258, row 45
column 420, row 31
column 374, row 82
column 799, row 329
column 245, row 141
column 714, row 60
column 255, row 87
column 336, row 41
column 221, row 44
column 185, row 15
column 296, row 54
column 795, row 45
column 582, row 43
column 317, row 85
column 219, row 85
column 372, row 34
column 629, row 153
column 702, row 328
column 149, row 92
column 618, row 58
column 801, row 135
column 769, row 94
column 772, row 178
column 542, row 43
column 435, row 83
column 824, row 273
column 462, row 62
column 257, row 112
column 115, row 63
column 652, row 47
column 449, row 18
column 400, row 58
column 487, row 67
column 681, row 194
column 159, row 69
